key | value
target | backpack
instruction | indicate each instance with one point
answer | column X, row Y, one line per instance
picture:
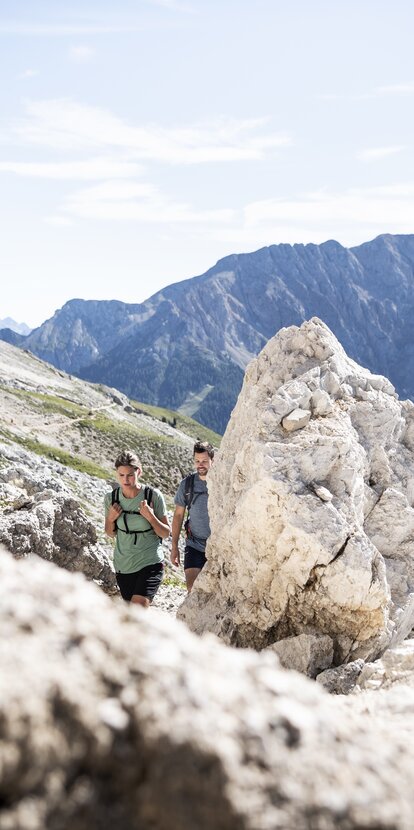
column 189, row 499
column 189, row 490
column 148, row 493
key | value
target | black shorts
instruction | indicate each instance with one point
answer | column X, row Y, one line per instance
column 193, row 558
column 145, row 582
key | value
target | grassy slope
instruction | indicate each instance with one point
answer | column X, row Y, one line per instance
column 182, row 422
column 94, row 438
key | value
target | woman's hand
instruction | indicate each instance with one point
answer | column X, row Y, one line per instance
column 114, row 512
column 146, row 510
column 112, row 515
column 160, row 526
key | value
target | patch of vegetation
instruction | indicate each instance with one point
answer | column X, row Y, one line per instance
column 49, row 403
column 182, row 422
column 55, row 454
column 124, row 433
column 174, row 581
column 165, row 461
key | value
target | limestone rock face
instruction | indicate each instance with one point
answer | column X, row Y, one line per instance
column 113, row 717
column 312, row 528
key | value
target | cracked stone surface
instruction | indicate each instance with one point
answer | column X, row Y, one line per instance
column 115, row 717
column 312, row 530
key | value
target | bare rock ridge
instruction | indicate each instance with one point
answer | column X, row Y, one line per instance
column 363, row 294
column 311, row 504
column 178, row 731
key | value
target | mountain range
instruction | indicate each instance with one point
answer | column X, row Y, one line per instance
column 187, row 346
column 14, row 328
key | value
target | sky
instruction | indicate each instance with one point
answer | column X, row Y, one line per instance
column 143, row 140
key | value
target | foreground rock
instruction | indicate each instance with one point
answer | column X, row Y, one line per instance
column 112, row 717
column 311, row 510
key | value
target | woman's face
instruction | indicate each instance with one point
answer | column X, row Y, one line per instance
column 128, row 476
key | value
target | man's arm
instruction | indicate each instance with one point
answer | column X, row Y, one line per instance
column 177, row 524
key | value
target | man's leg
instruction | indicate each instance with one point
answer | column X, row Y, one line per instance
column 194, row 561
column 191, row 575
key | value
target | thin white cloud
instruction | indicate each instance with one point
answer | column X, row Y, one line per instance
column 28, row 73
column 33, row 29
column 81, row 54
column 59, row 221
column 378, row 153
column 378, row 92
column 396, row 89
column 68, row 125
column 388, row 209
column 351, row 216
column 143, row 202
column 90, row 169
column 173, row 5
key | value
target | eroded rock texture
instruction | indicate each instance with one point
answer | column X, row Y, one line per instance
column 41, row 516
column 311, row 506
column 113, row 717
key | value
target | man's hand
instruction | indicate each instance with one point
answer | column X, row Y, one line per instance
column 175, row 555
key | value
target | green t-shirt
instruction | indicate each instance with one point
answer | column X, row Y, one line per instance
column 134, row 551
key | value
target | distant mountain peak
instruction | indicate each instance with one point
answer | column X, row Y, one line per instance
column 20, row 328
column 192, row 340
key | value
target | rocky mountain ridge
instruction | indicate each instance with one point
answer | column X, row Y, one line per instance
column 187, row 346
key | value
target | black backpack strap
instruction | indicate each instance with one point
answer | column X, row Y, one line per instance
column 115, row 500
column 189, row 489
column 148, row 494
column 115, row 496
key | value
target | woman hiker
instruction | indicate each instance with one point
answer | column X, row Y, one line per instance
column 136, row 516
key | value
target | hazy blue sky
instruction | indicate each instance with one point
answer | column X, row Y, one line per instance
column 142, row 140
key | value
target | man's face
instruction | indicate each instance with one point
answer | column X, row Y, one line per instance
column 202, row 463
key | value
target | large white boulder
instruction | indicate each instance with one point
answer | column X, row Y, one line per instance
column 112, row 717
column 312, row 525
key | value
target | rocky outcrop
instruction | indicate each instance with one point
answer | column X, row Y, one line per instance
column 41, row 516
column 312, row 517
column 177, row 731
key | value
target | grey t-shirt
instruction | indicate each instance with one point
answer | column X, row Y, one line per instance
column 199, row 523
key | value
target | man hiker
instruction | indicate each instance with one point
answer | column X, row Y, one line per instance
column 192, row 495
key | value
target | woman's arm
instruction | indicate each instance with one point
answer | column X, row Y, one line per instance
column 112, row 515
column 160, row 526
